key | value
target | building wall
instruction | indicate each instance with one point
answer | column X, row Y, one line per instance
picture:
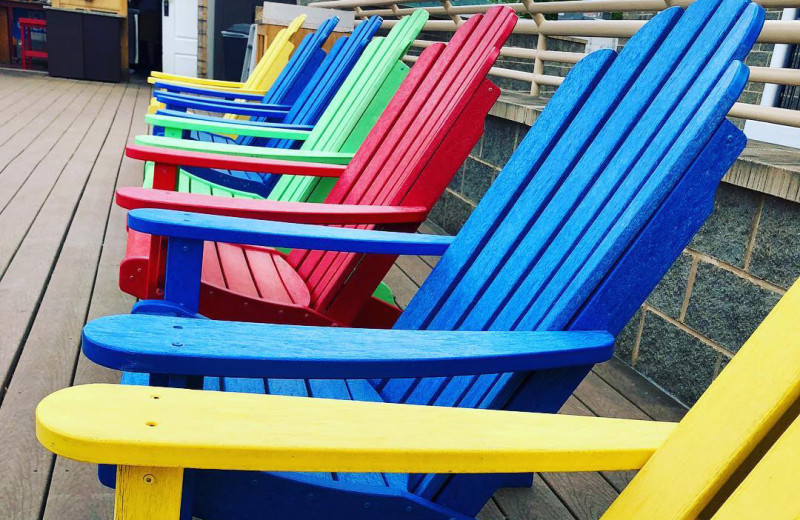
column 717, row 292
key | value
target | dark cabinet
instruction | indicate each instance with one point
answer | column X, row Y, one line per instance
column 84, row 45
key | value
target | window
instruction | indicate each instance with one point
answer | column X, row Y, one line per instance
column 783, row 96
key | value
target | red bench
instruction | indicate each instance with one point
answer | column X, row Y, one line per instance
column 26, row 25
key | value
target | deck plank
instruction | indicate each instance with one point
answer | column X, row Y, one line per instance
column 20, row 96
column 414, row 267
column 19, row 160
column 402, row 286
column 647, row 396
column 490, row 512
column 74, row 490
column 535, row 503
column 24, row 280
column 69, row 232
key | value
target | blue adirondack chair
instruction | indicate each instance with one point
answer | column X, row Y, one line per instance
column 297, row 98
column 599, row 199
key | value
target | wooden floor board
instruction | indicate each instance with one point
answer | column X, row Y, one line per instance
column 26, row 276
column 61, row 156
column 402, row 286
column 19, row 95
column 538, row 502
column 647, row 396
column 46, row 144
column 50, row 350
column 30, row 181
column 26, row 95
column 491, row 512
column 414, row 267
column 74, row 490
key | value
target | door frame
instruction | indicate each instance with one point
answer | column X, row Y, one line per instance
column 169, row 45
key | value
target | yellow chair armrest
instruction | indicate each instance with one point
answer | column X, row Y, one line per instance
column 167, row 427
column 175, row 78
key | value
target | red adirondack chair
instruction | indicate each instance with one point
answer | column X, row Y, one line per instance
column 392, row 182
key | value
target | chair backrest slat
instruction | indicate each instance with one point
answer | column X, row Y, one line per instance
column 269, row 66
column 770, row 489
column 742, row 407
column 309, row 46
column 326, row 76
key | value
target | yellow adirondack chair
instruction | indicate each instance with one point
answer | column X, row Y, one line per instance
column 261, row 78
column 735, row 455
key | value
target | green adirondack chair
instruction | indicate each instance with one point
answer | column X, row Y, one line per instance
column 734, row 456
column 340, row 131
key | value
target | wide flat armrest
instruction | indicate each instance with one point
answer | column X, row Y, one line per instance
column 208, row 91
column 195, row 226
column 226, row 126
column 244, row 151
column 300, row 212
column 168, row 345
column 177, row 428
column 164, row 96
column 230, row 162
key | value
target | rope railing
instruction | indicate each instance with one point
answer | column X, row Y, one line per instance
column 446, row 17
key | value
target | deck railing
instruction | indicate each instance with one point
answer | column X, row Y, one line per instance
column 447, row 17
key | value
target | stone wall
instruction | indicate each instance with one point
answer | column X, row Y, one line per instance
column 713, row 297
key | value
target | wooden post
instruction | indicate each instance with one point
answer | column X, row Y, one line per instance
column 165, row 177
column 541, row 46
column 148, row 493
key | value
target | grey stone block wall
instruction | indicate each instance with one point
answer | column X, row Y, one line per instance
column 726, row 281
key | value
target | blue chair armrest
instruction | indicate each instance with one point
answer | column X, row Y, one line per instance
column 181, row 346
column 220, row 106
column 196, row 226
column 200, row 91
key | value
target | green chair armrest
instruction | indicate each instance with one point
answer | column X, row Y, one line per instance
column 226, row 128
column 245, row 151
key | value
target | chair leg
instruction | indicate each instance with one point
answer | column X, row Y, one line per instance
column 147, row 493
column 518, row 480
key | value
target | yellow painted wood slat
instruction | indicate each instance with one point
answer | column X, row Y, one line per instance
column 148, row 493
column 213, row 430
column 723, row 428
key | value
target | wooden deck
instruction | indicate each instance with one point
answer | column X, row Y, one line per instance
column 61, row 240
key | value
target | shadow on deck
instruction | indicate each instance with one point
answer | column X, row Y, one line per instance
column 61, row 240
